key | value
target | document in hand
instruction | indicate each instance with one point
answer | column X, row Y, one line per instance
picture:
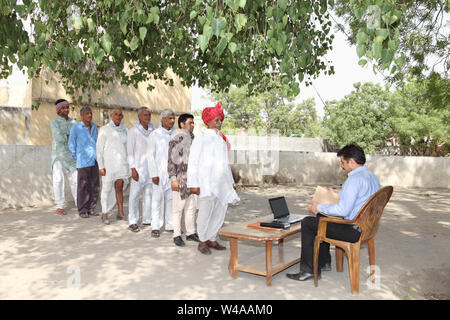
column 323, row 196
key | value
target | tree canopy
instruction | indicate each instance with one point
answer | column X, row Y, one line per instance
column 211, row 43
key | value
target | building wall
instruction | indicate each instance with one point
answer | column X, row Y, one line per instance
column 26, row 176
column 21, row 123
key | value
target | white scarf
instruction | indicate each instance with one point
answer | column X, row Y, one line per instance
column 142, row 129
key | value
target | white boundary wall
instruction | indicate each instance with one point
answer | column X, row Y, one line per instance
column 25, row 175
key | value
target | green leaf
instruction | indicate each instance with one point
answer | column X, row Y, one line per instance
column 400, row 61
column 362, row 62
column 240, row 21
column 142, row 33
column 106, row 42
column 193, row 14
column 221, row 46
column 233, row 4
column 218, row 25
column 384, row 33
column 155, row 14
column 242, row 3
column 360, row 50
column 134, row 44
column 203, row 42
column 207, row 31
column 282, row 4
column 232, row 47
column 376, row 50
column 90, row 24
column 362, row 38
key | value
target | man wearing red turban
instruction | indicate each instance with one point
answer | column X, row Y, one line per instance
column 209, row 176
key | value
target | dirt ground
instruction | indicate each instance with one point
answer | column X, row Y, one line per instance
column 46, row 256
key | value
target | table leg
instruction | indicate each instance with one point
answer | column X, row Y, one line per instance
column 269, row 262
column 233, row 258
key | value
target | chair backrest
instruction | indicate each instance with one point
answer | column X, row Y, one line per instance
column 370, row 213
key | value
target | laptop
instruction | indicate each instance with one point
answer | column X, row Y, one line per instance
column 282, row 218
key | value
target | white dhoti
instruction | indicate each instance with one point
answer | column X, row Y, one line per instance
column 108, row 195
column 211, row 215
column 58, row 184
column 136, row 189
column 161, row 216
column 187, row 205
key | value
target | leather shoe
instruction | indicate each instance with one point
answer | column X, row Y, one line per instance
column 215, row 245
column 178, row 241
column 301, row 276
column 193, row 237
column 326, row 267
column 203, row 248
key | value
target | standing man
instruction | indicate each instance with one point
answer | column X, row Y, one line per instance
column 360, row 185
column 113, row 164
column 182, row 199
column 157, row 167
column 209, row 176
column 62, row 161
column 138, row 152
column 82, row 144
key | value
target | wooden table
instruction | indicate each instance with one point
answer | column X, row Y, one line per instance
column 266, row 264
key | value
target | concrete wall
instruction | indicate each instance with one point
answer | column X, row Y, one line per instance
column 25, row 177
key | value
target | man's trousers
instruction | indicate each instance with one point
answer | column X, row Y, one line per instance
column 58, row 184
column 136, row 189
column 178, row 206
column 161, row 215
column 308, row 234
column 211, row 214
column 88, row 188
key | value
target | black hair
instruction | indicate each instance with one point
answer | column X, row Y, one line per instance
column 183, row 117
column 353, row 151
column 59, row 100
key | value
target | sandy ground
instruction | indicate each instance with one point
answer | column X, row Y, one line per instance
column 45, row 256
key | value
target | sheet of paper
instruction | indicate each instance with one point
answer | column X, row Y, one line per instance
column 323, row 196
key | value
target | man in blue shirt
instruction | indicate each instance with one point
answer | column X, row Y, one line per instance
column 360, row 185
column 82, row 145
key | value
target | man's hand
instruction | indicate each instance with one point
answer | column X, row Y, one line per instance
column 313, row 207
column 175, row 186
column 195, row 191
column 134, row 174
column 155, row 180
column 102, row 172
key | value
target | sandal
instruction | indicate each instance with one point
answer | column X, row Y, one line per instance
column 84, row 215
column 155, row 233
column 93, row 213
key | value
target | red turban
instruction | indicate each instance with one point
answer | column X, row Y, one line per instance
column 211, row 113
column 61, row 105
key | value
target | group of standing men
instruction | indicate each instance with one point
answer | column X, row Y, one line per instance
column 172, row 171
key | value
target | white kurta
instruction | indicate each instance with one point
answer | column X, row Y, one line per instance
column 209, row 170
column 112, row 156
column 138, row 153
column 208, row 167
column 157, row 167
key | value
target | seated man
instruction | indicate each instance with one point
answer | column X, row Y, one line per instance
column 357, row 189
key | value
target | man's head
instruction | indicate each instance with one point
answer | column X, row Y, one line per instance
column 62, row 108
column 186, row 122
column 144, row 116
column 86, row 114
column 167, row 119
column 213, row 117
column 116, row 116
column 352, row 156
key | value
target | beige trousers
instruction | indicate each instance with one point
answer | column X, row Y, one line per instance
column 211, row 214
column 189, row 208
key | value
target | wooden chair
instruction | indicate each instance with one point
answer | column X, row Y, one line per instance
column 367, row 219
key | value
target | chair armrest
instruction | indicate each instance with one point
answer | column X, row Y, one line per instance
column 322, row 228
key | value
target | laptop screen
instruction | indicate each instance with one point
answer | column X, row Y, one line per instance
column 279, row 207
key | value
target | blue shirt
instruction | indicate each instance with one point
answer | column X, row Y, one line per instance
column 82, row 144
column 361, row 184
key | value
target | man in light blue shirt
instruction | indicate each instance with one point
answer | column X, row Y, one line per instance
column 82, row 145
column 360, row 185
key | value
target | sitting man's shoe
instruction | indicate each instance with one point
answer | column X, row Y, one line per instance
column 326, row 267
column 301, row 276
column 215, row 245
column 203, row 248
column 193, row 237
column 134, row 228
column 178, row 241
